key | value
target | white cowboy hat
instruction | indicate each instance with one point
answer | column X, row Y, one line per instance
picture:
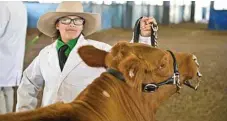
column 46, row 23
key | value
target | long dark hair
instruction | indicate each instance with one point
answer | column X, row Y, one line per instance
column 56, row 35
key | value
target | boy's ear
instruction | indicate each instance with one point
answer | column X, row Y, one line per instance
column 92, row 56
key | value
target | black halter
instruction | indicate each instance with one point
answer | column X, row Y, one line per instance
column 175, row 80
column 151, row 87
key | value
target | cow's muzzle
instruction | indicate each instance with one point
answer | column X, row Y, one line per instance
column 189, row 84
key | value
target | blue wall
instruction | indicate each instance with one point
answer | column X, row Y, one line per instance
column 35, row 10
column 111, row 15
column 114, row 15
column 218, row 20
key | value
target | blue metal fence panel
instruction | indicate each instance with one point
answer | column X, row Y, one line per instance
column 107, row 14
column 136, row 14
column 218, row 20
column 181, row 13
column 35, row 10
column 88, row 6
column 117, row 15
column 158, row 13
column 114, row 15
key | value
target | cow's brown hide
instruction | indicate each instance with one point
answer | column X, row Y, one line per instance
column 110, row 99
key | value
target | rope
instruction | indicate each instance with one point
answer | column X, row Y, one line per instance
column 154, row 35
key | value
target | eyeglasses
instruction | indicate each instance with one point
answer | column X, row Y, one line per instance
column 76, row 21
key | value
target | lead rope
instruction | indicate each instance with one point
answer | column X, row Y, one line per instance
column 154, row 34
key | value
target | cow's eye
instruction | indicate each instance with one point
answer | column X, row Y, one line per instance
column 161, row 66
column 162, row 70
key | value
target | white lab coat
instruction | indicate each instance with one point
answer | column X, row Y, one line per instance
column 13, row 26
column 59, row 86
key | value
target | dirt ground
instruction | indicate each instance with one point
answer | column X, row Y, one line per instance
column 209, row 103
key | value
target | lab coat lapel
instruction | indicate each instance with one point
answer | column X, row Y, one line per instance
column 74, row 59
column 53, row 61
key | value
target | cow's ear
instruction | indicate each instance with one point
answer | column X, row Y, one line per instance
column 130, row 68
column 92, row 56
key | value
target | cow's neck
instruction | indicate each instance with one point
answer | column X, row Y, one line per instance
column 158, row 97
column 116, row 100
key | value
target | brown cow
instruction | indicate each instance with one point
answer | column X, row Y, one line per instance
column 137, row 80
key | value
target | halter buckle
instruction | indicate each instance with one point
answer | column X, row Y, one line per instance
column 176, row 79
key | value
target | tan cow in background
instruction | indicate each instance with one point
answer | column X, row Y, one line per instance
column 138, row 79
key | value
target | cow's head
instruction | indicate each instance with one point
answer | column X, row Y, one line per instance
column 142, row 66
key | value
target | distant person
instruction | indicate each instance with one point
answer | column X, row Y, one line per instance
column 13, row 26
